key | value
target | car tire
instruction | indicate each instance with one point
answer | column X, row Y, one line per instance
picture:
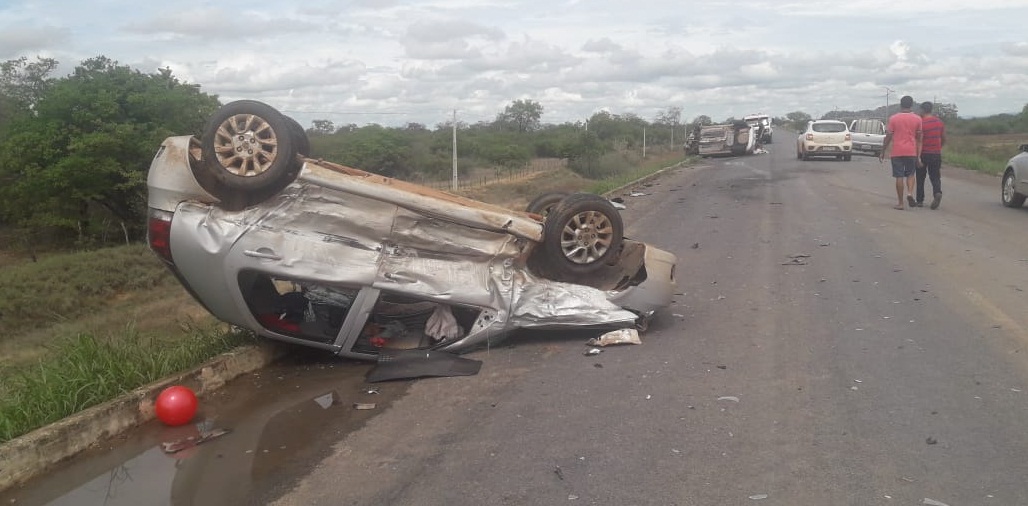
column 581, row 234
column 806, row 156
column 1009, row 196
column 303, row 143
column 543, row 204
column 249, row 153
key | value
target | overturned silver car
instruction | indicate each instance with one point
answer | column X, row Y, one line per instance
column 319, row 254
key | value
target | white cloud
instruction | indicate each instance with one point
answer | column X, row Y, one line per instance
column 398, row 61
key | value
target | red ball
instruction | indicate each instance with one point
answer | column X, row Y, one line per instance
column 176, row 405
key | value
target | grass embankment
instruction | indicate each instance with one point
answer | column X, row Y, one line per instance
column 983, row 153
column 79, row 329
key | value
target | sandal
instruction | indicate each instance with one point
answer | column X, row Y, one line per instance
column 898, row 207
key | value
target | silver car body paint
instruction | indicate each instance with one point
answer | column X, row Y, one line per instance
column 340, row 227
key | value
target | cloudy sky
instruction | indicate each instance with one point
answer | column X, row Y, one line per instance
column 395, row 61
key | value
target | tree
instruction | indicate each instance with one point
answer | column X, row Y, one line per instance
column 521, row 115
column 322, row 127
column 947, row 112
column 22, row 84
column 702, row 120
column 799, row 120
column 672, row 117
column 82, row 156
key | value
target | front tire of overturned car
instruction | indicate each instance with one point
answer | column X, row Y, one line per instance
column 581, row 235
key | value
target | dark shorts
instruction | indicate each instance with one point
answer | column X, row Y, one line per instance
column 903, row 166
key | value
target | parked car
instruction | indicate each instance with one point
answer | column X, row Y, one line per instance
column 1015, row 179
column 733, row 139
column 825, row 137
column 868, row 135
column 319, row 254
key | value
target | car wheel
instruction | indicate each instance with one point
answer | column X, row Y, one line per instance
column 1010, row 196
column 249, row 150
column 581, row 234
column 806, row 156
column 303, row 143
column 545, row 203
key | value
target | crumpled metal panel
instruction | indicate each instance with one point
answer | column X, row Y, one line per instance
column 544, row 303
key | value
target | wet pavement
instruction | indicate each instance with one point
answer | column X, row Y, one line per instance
column 281, row 419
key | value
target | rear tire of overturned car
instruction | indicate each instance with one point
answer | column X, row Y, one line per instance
column 581, row 235
column 249, row 152
column 543, row 204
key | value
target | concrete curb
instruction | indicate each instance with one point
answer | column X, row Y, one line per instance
column 31, row 454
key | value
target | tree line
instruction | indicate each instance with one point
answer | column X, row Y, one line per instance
column 75, row 149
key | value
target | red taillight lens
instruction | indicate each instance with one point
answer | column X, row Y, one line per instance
column 158, row 232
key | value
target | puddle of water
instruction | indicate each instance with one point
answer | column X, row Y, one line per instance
column 282, row 420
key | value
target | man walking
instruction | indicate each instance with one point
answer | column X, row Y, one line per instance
column 904, row 134
column 930, row 163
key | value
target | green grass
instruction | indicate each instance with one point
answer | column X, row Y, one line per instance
column 618, row 180
column 86, row 370
column 984, row 153
column 65, row 286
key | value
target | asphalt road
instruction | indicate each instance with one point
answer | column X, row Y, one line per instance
column 823, row 349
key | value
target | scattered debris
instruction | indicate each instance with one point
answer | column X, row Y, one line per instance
column 363, row 406
column 620, row 336
column 191, row 441
column 618, row 205
column 637, row 194
column 758, row 497
column 722, row 367
column 728, row 398
column 930, row 440
column 933, row 502
column 695, row 245
column 558, row 472
column 797, row 259
column 593, row 351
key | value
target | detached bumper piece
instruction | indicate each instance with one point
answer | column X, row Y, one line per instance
column 412, row 364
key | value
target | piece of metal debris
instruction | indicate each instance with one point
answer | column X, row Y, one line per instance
column 758, row 497
column 620, row 336
column 728, row 398
column 933, row 502
column 191, row 441
column 593, row 351
column 558, row 472
column 364, row 405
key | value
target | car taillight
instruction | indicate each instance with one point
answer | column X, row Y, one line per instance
column 810, row 137
column 158, row 232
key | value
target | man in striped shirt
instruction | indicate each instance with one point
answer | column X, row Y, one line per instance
column 930, row 164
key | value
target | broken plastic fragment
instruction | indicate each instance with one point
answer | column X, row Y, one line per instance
column 191, row 441
column 593, row 351
column 728, row 398
column 363, row 405
column 620, row 336
column 933, row 502
column 758, row 497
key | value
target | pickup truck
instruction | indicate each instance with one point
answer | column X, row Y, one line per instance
column 761, row 123
column 868, row 135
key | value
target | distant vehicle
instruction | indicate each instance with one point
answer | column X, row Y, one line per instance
column 734, row 139
column 868, row 135
column 1015, row 179
column 761, row 123
column 825, row 137
column 319, row 254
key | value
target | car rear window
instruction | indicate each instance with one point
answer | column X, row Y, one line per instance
column 828, row 127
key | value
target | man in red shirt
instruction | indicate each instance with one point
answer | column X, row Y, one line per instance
column 930, row 163
column 904, row 135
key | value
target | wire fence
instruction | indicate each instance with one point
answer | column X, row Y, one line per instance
column 487, row 176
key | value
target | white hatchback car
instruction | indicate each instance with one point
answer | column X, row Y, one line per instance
column 825, row 137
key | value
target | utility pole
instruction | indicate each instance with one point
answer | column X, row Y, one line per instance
column 644, row 142
column 454, row 184
column 887, row 92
